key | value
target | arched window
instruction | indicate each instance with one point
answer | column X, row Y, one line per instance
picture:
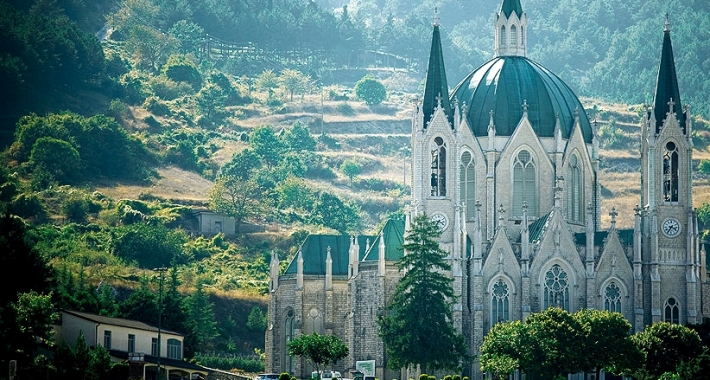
column 612, row 298
column 289, row 331
column 524, row 184
column 513, row 36
column 174, row 349
column 313, row 322
column 575, row 191
column 671, row 311
column 502, row 36
column 468, row 184
column 670, row 173
column 556, row 288
column 500, row 303
column 438, row 168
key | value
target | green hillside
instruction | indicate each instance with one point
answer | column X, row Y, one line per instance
column 119, row 119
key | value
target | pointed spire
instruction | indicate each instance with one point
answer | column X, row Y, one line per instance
column 436, row 90
column 510, row 6
column 667, row 84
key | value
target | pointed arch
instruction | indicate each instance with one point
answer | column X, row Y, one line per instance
column 289, row 332
column 438, row 168
column 671, row 171
column 575, row 189
column 513, row 36
column 501, row 290
column 612, row 293
column 467, row 179
column 557, row 284
column 313, row 323
column 524, row 171
column 671, row 310
column 503, row 37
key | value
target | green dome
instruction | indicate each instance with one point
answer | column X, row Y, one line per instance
column 504, row 83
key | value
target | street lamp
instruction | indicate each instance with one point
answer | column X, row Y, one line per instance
column 160, row 270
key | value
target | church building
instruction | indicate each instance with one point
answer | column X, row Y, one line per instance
column 507, row 164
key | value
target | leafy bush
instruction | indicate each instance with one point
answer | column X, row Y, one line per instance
column 29, row 205
column 246, row 364
column 76, row 208
column 44, row 158
column 704, row 166
column 150, row 245
column 135, row 86
column 157, row 106
column 168, row 89
column 370, row 90
column 180, row 68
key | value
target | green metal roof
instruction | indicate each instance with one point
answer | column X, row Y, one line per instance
column 667, row 86
column 436, row 85
column 626, row 237
column 394, row 238
column 502, row 85
column 315, row 250
column 510, row 6
column 535, row 228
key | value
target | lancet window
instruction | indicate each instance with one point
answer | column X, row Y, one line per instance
column 524, row 184
column 670, row 173
column 438, row 168
column 468, row 184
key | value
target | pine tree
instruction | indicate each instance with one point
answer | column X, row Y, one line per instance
column 417, row 326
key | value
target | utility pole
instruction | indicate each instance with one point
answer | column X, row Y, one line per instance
column 160, row 270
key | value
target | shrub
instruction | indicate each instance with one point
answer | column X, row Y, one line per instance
column 118, row 109
column 168, row 89
column 181, row 69
column 28, row 205
column 704, row 166
column 152, row 122
column 135, row 86
column 76, row 208
column 157, row 106
column 423, row 376
column 284, row 376
column 370, row 90
column 612, row 137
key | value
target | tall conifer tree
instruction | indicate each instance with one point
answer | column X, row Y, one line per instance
column 417, row 327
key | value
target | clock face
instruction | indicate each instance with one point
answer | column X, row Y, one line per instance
column 441, row 221
column 671, row 227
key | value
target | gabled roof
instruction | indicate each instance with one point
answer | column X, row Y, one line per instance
column 667, row 86
column 626, row 237
column 393, row 232
column 510, row 6
column 315, row 250
column 129, row 323
column 436, row 89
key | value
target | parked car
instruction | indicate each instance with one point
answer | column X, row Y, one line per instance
column 331, row 375
column 267, row 376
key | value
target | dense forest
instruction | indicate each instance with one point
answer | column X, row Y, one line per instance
column 119, row 90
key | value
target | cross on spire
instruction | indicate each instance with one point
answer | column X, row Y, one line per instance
column 671, row 105
column 667, row 25
column 613, row 215
column 525, row 106
column 436, row 16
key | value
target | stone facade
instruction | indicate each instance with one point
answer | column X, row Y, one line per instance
column 519, row 208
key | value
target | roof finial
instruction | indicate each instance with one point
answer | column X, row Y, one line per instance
column 525, row 106
column 667, row 25
column 671, row 106
column 438, row 100
column 436, row 16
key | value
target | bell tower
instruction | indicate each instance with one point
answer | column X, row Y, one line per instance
column 670, row 254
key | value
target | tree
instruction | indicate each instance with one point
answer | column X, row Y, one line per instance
column 551, row 344
column 351, row 169
column 667, row 348
column 44, row 158
column 200, row 318
column 328, row 210
column 370, row 90
column 141, row 305
column 606, row 342
column 417, row 325
column 298, row 138
column 210, row 100
column 150, row 245
column 237, row 197
column 318, row 349
column 502, row 350
column 180, row 68
column 256, row 321
column 267, row 81
column 267, row 145
column 294, row 81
